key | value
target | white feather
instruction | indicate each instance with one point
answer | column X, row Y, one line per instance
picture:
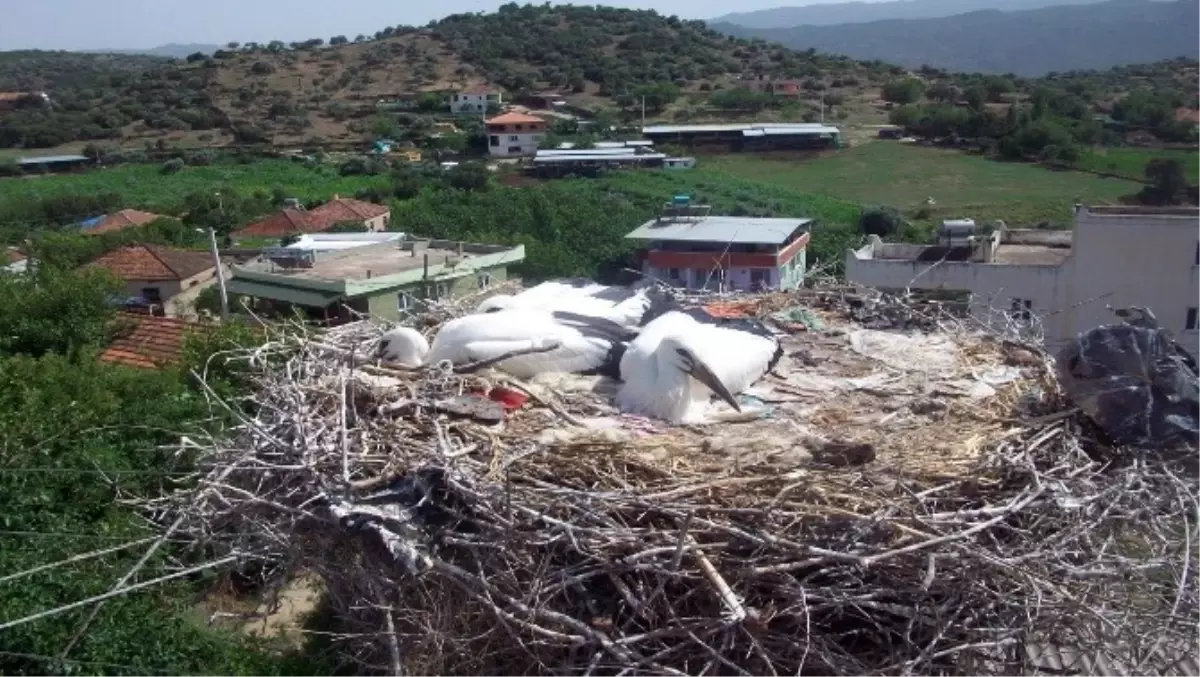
column 404, row 346
column 653, row 370
column 481, row 337
column 592, row 299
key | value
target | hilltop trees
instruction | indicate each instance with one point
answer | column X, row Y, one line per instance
column 904, row 91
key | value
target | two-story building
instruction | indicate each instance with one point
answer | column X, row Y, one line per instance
column 474, row 100
column 383, row 280
column 515, row 134
column 1057, row 283
column 688, row 248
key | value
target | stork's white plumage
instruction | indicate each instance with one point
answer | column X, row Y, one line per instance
column 627, row 306
column 404, row 346
column 679, row 360
column 578, row 344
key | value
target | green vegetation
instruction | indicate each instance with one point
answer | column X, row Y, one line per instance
column 1131, row 162
column 76, row 434
column 903, row 176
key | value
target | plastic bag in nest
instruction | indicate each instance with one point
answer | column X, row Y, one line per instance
column 1135, row 383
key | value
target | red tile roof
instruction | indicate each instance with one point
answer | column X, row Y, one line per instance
column 13, row 255
column 286, row 222
column 294, row 222
column 154, row 341
column 1187, row 115
column 514, row 119
column 150, row 262
column 120, row 220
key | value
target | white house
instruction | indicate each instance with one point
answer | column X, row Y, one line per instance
column 515, row 134
column 1062, row 282
column 474, row 101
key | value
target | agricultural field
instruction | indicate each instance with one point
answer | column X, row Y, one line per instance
column 904, row 176
column 1131, row 162
column 147, row 187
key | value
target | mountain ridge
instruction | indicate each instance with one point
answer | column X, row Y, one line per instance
column 1029, row 43
column 866, row 12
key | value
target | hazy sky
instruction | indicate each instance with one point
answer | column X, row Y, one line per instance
column 139, row 24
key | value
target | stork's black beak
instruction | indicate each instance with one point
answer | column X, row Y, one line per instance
column 699, row 371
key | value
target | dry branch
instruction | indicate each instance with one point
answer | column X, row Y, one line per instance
column 497, row 553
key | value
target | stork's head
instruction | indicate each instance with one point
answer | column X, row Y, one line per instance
column 679, row 353
column 404, row 346
column 494, row 303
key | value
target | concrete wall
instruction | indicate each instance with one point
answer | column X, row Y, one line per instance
column 379, row 223
column 386, row 305
column 503, row 144
column 736, row 277
column 178, row 296
column 1139, row 258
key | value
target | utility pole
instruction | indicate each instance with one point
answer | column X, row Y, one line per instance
column 212, row 242
column 643, row 111
column 822, row 107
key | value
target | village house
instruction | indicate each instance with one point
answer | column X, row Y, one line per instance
column 753, row 136
column 688, row 248
column 150, row 342
column 109, row 223
column 372, row 217
column 13, row 100
column 779, row 87
column 515, row 134
column 1057, row 283
column 382, row 280
column 165, row 279
column 475, row 100
column 13, row 260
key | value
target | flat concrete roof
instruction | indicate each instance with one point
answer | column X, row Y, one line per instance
column 732, row 229
column 365, row 262
column 757, row 128
column 1030, row 255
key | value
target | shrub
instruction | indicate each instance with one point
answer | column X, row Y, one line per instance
column 173, row 165
column 880, row 221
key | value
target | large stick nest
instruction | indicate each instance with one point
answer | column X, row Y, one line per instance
column 454, row 546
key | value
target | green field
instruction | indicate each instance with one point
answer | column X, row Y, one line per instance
column 147, row 187
column 903, row 176
column 1131, row 162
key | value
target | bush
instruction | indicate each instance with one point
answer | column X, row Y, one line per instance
column 173, row 165
column 904, row 91
column 881, row 221
column 261, row 68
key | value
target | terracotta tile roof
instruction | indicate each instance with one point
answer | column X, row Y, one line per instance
column 514, row 119
column 346, row 209
column 1187, row 115
column 121, row 220
column 13, row 255
column 293, row 222
column 153, row 343
column 14, row 96
column 286, row 222
column 150, row 262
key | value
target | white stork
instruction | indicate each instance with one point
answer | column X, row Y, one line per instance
column 679, row 360
column 577, row 343
column 628, row 306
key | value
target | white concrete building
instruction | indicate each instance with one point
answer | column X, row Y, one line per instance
column 474, row 100
column 687, row 248
column 515, row 135
column 1063, row 281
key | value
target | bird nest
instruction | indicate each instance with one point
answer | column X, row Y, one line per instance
column 941, row 515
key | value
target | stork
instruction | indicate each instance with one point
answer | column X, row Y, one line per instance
column 679, row 360
column 563, row 341
column 628, row 306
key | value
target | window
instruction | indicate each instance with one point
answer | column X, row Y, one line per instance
column 494, row 140
column 516, row 150
column 514, row 137
column 759, row 278
column 518, row 127
column 152, row 295
column 483, row 280
column 1190, row 323
column 387, row 220
column 673, row 274
column 1022, row 309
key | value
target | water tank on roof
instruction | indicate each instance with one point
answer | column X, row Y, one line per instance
column 681, row 200
column 957, row 228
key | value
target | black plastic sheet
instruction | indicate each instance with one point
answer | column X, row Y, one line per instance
column 1136, row 384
